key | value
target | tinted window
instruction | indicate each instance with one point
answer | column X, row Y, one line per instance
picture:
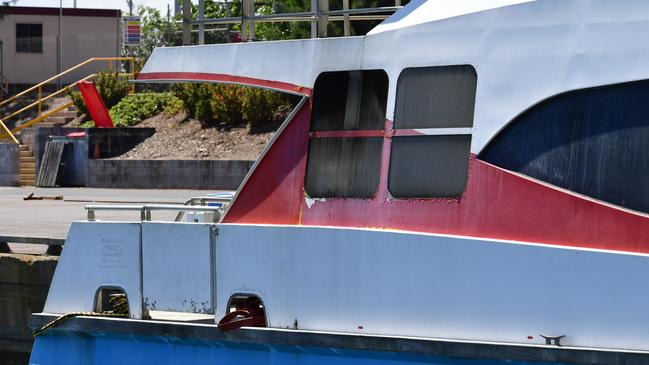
column 436, row 97
column 29, row 38
column 346, row 165
column 350, row 100
column 592, row 141
column 343, row 167
column 433, row 165
column 429, row 166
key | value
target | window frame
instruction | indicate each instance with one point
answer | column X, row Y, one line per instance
column 343, row 133
column 30, row 39
column 418, row 132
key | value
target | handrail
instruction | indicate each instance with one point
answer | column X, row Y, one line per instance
column 145, row 209
column 84, row 63
column 7, row 131
column 39, row 87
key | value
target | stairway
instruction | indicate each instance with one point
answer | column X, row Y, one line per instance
column 61, row 118
column 27, row 166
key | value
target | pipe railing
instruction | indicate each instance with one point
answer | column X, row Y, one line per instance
column 5, row 132
column 146, row 209
column 347, row 15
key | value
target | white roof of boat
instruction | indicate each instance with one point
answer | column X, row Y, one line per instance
column 424, row 11
column 524, row 52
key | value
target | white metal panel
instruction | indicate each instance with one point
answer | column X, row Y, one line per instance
column 177, row 266
column 96, row 255
column 295, row 62
column 523, row 51
column 423, row 11
column 394, row 283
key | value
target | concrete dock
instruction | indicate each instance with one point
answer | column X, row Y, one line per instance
column 52, row 218
column 25, row 274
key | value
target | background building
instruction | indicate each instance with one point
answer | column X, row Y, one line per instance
column 29, row 37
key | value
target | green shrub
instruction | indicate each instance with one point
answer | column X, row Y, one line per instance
column 135, row 108
column 88, row 124
column 111, row 87
column 231, row 105
column 173, row 107
column 260, row 106
column 77, row 100
column 227, row 104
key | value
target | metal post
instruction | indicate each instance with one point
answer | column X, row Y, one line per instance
column 323, row 20
column 60, row 60
column 347, row 25
column 187, row 18
column 247, row 25
column 201, row 26
column 314, row 23
column 251, row 11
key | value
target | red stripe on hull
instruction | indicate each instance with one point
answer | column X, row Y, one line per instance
column 497, row 204
column 201, row 76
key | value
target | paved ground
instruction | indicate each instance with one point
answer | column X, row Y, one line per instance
column 52, row 218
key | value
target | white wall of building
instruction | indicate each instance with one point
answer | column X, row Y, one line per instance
column 83, row 37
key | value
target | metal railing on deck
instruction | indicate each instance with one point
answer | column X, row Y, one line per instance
column 319, row 17
column 38, row 88
column 145, row 210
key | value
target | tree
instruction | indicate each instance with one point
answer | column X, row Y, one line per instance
column 156, row 31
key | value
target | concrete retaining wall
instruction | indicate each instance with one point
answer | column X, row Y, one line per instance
column 9, row 164
column 167, row 174
column 99, row 142
column 24, row 282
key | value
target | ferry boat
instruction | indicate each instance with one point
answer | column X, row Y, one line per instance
column 466, row 184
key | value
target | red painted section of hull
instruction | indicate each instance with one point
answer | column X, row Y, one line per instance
column 201, row 76
column 275, row 191
column 497, row 204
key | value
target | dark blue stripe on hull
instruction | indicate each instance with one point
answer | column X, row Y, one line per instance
column 592, row 141
column 134, row 349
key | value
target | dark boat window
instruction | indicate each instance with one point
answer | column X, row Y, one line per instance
column 433, row 122
column 346, row 140
column 591, row 141
column 429, row 166
column 343, row 167
column 435, row 97
column 350, row 100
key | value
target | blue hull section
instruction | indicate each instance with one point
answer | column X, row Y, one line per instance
column 110, row 349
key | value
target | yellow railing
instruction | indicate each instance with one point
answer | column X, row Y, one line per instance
column 6, row 133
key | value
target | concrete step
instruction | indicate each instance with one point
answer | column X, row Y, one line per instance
column 27, row 165
column 27, row 176
column 27, row 170
column 66, row 114
column 27, row 159
column 26, row 154
column 58, row 119
column 25, row 147
column 28, row 182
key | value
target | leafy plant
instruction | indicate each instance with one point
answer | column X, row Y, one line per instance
column 111, row 87
column 260, row 106
column 135, row 108
column 227, row 104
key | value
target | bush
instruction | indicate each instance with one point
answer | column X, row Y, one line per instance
column 111, row 87
column 227, row 104
column 260, row 106
column 135, row 108
column 231, row 104
column 196, row 100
